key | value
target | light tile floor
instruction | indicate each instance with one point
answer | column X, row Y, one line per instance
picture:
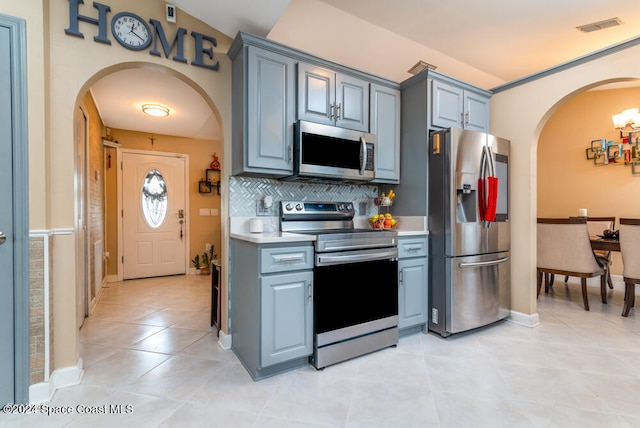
column 149, row 346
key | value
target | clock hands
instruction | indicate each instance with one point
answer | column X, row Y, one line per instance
column 133, row 26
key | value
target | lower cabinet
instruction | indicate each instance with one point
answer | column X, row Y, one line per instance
column 271, row 310
column 286, row 321
column 412, row 284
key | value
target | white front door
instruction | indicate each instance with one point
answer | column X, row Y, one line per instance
column 154, row 215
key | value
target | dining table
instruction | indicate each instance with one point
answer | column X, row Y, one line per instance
column 604, row 244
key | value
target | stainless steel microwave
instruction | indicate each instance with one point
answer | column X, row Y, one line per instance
column 329, row 152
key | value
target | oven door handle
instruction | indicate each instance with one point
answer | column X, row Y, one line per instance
column 354, row 257
column 329, row 246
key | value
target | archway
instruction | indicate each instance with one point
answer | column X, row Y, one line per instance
column 519, row 113
column 103, row 142
column 568, row 176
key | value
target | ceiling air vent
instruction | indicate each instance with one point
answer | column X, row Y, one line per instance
column 595, row 26
column 420, row 67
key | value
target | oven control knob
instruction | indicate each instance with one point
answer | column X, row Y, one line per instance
column 349, row 207
column 341, row 207
column 299, row 207
column 288, row 207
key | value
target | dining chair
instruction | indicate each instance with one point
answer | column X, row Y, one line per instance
column 630, row 249
column 564, row 249
column 597, row 225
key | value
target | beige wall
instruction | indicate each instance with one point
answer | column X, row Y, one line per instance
column 203, row 229
column 568, row 181
column 520, row 114
column 76, row 64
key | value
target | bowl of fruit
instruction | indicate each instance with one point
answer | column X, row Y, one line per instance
column 383, row 221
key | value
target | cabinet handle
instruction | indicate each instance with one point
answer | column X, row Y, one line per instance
column 286, row 259
column 338, row 110
column 400, row 277
column 412, row 248
column 331, row 109
column 466, row 117
column 290, row 153
column 310, row 291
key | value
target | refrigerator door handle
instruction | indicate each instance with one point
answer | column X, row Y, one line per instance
column 487, row 263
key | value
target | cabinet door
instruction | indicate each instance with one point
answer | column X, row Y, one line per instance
column 270, row 111
column 316, row 94
column 385, row 124
column 447, row 104
column 412, row 292
column 286, row 318
column 352, row 103
column 476, row 110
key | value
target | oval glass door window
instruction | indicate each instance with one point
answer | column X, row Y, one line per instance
column 154, row 198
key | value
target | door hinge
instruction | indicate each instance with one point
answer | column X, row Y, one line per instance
column 122, row 260
column 121, row 213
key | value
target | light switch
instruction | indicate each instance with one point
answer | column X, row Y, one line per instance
column 214, row 211
column 204, row 211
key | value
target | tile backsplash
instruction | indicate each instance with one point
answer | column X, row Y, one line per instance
column 245, row 192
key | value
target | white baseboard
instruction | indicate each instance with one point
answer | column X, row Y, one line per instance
column 60, row 378
column 532, row 320
column 224, row 340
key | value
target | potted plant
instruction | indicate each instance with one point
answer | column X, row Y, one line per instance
column 196, row 263
column 206, row 264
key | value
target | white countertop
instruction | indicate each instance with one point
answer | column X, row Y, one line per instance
column 407, row 226
column 272, row 237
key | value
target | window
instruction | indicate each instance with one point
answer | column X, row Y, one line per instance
column 154, row 198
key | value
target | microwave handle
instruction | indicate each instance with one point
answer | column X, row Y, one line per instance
column 363, row 152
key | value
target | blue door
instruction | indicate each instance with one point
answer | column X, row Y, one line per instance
column 14, row 285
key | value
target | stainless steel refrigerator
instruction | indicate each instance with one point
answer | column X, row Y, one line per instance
column 468, row 217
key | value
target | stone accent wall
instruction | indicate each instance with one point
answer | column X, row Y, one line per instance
column 36, row 309
column 39, row 266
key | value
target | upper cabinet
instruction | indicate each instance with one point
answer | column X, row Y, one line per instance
column 456, row 104
column 263, row 112
column 273, row 86
column 385, row 124
column 332, row 98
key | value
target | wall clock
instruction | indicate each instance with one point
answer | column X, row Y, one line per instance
column 131, row 31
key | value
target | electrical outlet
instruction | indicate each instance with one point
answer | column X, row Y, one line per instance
column 261, row 209
column 207, row 247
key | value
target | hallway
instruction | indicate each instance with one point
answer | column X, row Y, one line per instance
column 149, row 346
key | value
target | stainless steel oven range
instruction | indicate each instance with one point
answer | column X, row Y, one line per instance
column 355, row 280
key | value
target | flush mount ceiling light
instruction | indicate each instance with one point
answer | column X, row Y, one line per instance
column 155, row 110
column 420, row 67
column 600, row 25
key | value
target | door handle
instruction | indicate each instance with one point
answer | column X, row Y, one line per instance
column 487, row 263
column 3, row 238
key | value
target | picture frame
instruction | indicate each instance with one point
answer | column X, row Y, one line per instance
column 204, row 186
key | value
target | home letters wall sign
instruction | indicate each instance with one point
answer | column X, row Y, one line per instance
column 152, row 35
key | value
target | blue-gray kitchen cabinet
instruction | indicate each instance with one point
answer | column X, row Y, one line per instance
column 458, row 105
column 332, row 98
column 271, row 291
column 412, row 284
column 263, row 108
column 385, row 124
